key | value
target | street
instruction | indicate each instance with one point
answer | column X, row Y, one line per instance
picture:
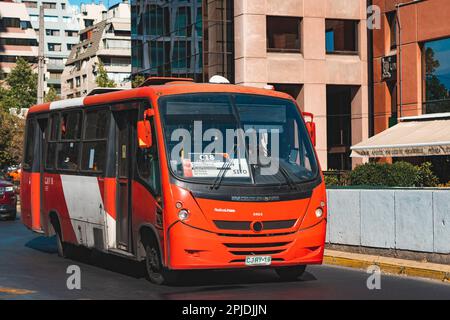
column 31, row 269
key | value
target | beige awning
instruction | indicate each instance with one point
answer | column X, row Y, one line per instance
column 414, row 136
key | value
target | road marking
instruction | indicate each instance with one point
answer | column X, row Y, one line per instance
column 14, row 291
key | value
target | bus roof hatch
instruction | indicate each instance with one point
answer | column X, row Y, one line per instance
column 157, row 81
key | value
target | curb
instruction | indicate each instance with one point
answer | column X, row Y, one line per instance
column 388, row 265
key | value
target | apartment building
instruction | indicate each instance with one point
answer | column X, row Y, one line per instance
column 315, row 50
column 17, row 36
column 107, row 42
column 61, row 33
column 90, row 14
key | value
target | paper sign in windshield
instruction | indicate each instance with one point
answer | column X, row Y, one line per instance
column 209, row 166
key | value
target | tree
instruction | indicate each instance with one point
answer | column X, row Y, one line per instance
column 137, row 81
column 51, row 95
column 21, row 87
column 102, row 79
column 11, row 139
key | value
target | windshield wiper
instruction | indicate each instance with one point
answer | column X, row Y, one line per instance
column 287, row 177
column 226, row 165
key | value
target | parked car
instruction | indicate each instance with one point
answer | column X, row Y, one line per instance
column 8, row 200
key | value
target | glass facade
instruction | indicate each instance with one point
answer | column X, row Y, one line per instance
column 182, row 38
column 436, row 62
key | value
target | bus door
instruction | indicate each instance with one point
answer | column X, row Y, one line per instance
column 41, row 144
column 125, row 133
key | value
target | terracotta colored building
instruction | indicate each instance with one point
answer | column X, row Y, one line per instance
column 411, row 60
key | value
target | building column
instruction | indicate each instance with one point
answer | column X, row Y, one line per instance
column 315, row 101
column 360, row 119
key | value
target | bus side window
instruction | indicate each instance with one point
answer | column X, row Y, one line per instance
column 148, row 164
column 70, row 133
column 93, row 155
column 29, row 149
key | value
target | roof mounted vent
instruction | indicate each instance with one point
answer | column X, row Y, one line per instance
column 100, row 90
column 157, row 81
column 219, row 80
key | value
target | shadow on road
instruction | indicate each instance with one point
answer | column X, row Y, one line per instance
column 42, row 244
column 210, row 280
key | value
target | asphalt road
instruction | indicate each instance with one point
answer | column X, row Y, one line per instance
column 31, row 269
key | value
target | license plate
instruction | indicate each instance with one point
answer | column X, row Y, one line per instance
column 258, row 260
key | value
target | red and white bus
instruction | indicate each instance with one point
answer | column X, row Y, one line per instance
column 133, row 173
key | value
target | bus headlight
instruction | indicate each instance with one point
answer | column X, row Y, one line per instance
column 183, row 214
column 319, row 212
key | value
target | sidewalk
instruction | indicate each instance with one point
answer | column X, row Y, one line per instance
column 388, row 265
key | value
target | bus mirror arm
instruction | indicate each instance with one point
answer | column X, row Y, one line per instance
column 311, row 126
column 144, row 130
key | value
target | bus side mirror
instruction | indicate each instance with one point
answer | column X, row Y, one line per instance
column 311, row 127
column 144, row 131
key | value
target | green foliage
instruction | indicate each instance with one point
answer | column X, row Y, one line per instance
column 102, row 79
column 11, row 139
column 335, row 178
column 426, row 177
column 21, row 87
column 399, row 174
column 51, row 95
column 137, row 81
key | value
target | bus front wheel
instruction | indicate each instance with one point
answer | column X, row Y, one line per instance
column 156, row 272
column 290, row 273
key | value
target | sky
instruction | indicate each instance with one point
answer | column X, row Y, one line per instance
column 105, row 2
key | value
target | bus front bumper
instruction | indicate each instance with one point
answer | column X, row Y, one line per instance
column 193, row 248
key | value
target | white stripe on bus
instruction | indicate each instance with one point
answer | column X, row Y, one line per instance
column 61, row 104
column 84, row 203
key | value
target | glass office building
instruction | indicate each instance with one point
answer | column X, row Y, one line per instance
column 182, row 38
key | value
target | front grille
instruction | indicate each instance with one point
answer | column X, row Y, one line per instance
column 245, row 225
column 259, row 248
column 256, row 245
column 251, row 253
column 255, row 235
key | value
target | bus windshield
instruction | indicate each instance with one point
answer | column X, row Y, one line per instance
column 240, row 138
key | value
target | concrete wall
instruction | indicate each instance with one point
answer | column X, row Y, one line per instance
column 415, row 220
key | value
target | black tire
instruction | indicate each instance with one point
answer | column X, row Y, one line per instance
column 156, row 272
column 61, row 246
column 290, row 273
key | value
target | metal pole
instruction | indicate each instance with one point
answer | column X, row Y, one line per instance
column 399, row 66
column 41, row 57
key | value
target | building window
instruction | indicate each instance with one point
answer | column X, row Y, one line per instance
column 283, row 34
column 63, row 6
column 49, row 5
column 88, row 22
column 71, row 33
column 30, row 4
column 392, row 21
column 70, row 83
column 69, row 46
column 56, row 47
column 436, row 55
column 52, row 32
column 341, row 36
column 78, row 81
